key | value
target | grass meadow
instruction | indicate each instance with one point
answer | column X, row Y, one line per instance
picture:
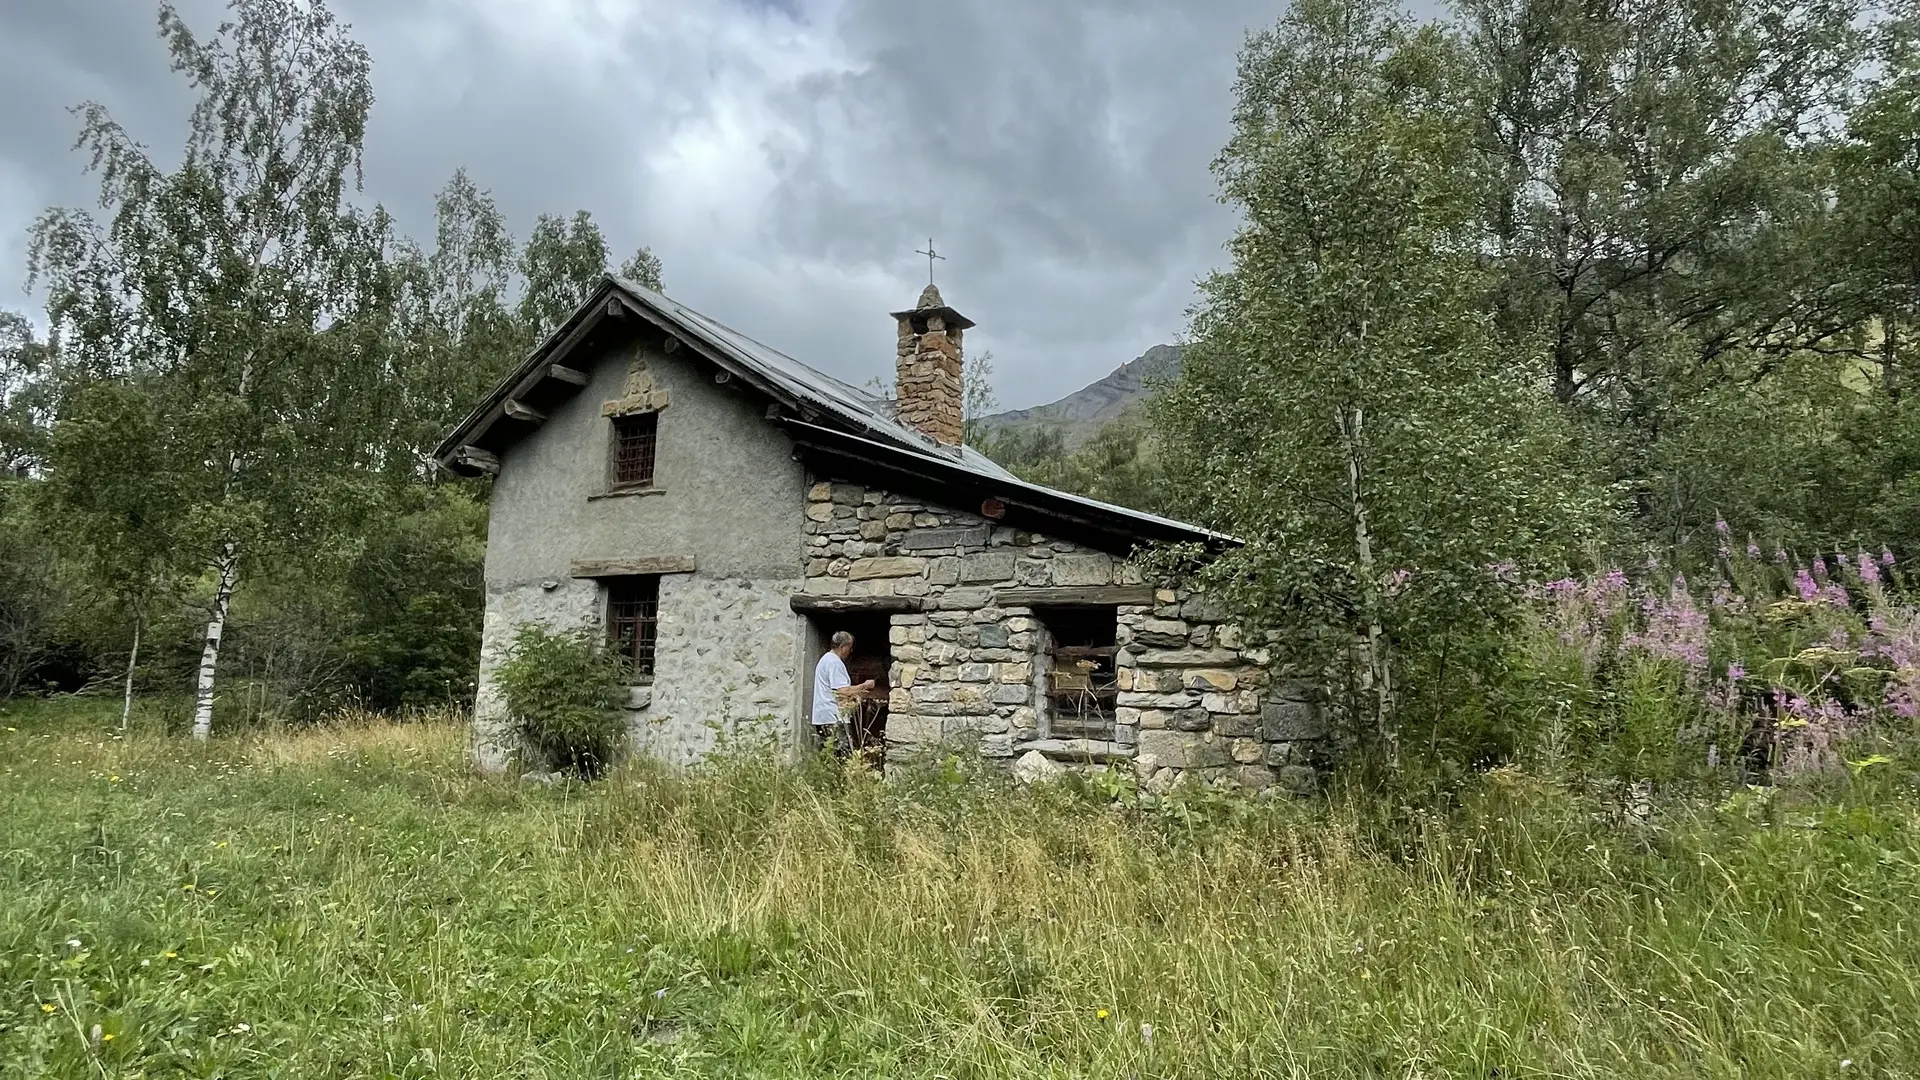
column 347, row 901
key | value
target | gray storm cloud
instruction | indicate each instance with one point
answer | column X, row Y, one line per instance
column 784, row 160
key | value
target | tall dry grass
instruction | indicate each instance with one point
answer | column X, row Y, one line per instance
column 348, row 901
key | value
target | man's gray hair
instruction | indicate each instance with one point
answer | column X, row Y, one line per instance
column 841, row 639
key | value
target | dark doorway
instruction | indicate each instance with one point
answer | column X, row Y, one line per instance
column 872, row 659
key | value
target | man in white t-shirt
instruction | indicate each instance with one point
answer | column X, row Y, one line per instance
column 831, row 684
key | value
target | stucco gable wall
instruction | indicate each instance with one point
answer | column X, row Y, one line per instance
column 727, row 494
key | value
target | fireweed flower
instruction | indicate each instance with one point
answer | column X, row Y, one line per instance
column 1886, row 556
column 1804, row 584
column 1753, row 549
column 1735, row 673
column 1780, row 556
column 1869, row 572
column 1720, row 526
column 1820, row 567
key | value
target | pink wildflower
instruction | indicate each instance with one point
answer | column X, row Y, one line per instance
column 1804, row 584
column 1886, row 556
column 1869, row 572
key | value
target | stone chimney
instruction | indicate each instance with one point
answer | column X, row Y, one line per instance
column 927, row 368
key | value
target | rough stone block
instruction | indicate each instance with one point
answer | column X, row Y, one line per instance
column 1245, row 751
column 1184, row 657
column 1011, row 694
column 1181, row 750
column 847, row 494
column 1033, row 572
column 1253, row 777
column 1080, row 749
column 1195, row 719
column 1298, row 779
column 896, row 522
column 820, row 492
column 1035, row 767
column 887, row 566
column 994, row 636
column 908, row 673
column 1083, row 568
column 819, row 511
column 943, row 571
column 1211, row 679
column 1159, row 634
column 1217, row 703
column 997, row 746
column 987, row 566
column 1020, row 674
column 873, row 530
column 1291, row 721
column 1236, row 725
column 965, row 599
column 915, row 730
column 976, row 672
column 1202, row 608
column 1227, row 637
column 935, row 539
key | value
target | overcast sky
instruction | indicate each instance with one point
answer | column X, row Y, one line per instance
column 783, row 157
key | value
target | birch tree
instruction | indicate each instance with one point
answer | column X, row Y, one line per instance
column 232, row 282
column 1342, row 406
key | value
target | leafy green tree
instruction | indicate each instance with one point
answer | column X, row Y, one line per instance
column 25, row 395
column 236, row 286
column 115, row 500
column 455, row 333
column 643, row 268
column 1345, row 407
column 1662, row 210
column 563, row 262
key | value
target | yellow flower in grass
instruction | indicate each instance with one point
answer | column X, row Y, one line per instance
column 108, row 1037
column 172, row 955
column 1101, row 1014
column 49, row 1008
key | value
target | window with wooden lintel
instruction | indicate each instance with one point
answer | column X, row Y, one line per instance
column 633, row 620
column 1079, row 684
column 635, row 441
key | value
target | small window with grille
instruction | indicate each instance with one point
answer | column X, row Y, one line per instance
column 633, row 620
column 634, row 440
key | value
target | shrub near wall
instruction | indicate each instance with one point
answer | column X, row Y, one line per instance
column 563, row 695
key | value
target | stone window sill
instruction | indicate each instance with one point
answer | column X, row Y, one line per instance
column 626, row 493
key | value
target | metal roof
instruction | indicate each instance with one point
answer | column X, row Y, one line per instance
column 868, row 416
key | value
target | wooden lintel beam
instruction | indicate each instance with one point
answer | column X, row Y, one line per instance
column 520, row 410
column 631, row 566
column 1072, row 596
column 475, row 458
column 855, row 605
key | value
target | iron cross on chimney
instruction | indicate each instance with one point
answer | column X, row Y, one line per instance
column 931, row 255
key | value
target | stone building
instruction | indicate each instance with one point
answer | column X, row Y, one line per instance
column 719, row 509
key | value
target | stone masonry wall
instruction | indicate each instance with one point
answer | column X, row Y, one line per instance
column 1195, row 699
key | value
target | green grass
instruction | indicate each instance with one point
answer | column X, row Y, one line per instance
column 350, row 902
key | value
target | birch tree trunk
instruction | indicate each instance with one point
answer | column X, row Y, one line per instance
column 210, row 656
column 1376, row 675
column 133, row 658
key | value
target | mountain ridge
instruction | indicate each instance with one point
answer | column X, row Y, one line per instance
column 1081, row 413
